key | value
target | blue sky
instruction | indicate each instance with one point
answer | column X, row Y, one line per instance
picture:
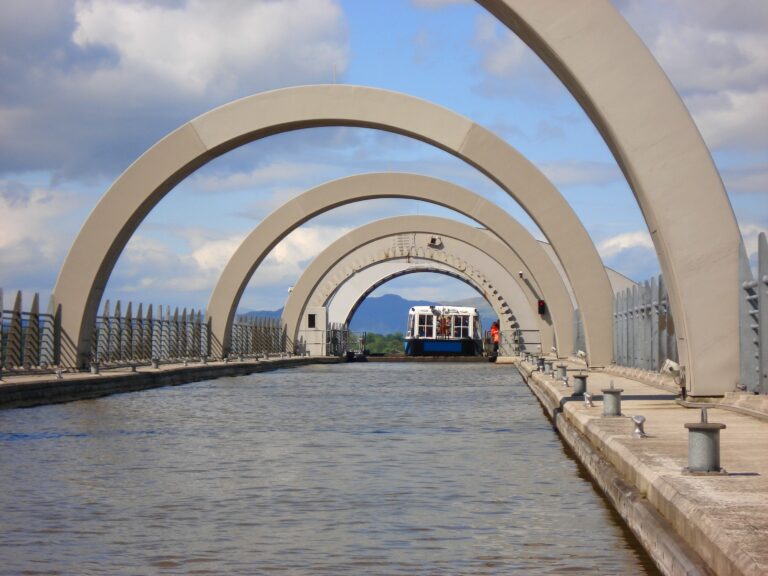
column 89, row 85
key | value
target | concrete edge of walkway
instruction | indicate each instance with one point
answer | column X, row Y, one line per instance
column 36, row 391
column 669, row 550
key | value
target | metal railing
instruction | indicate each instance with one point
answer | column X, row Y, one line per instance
column 643, row 327
column 29, row 340
column 753, row 316
column 254, row 337
column 145, row 337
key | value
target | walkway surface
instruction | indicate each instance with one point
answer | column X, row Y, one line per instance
column 724, row 518
column 17, row 390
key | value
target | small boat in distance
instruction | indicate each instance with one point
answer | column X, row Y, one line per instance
column 443, row 331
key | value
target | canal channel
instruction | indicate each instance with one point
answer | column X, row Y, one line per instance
column 325, row 469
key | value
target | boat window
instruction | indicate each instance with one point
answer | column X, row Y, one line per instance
column 425, row 326
column 461, row 326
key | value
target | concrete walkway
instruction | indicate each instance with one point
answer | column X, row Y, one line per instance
column 724, row 519
column 21, row 390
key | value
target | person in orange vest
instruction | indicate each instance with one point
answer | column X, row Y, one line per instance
column 495, row 336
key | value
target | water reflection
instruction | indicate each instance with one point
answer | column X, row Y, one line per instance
column 349, row 469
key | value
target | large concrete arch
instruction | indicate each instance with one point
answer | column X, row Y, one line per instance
column 132, row 196
column 632, row 103
column 352, row 291
column 382, row 272
column 299, row 297
column 536, row 264
column 343, row 311
column 362, row 270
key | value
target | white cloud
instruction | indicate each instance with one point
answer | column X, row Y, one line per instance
column 282, row 172
column 611, row 247
column 716, row 55
column 747, row 179
column 201, row 46
column 581, row 173
column 432, row 4
column 141, row 69
column 33, row 239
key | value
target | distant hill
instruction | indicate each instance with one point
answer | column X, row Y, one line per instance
column 387, row 314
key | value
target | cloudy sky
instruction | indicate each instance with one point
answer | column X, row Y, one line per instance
column 87, row 86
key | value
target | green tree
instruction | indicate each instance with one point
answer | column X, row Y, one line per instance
column 384, row 343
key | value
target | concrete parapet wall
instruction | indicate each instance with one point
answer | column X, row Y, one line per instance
column 34, row 391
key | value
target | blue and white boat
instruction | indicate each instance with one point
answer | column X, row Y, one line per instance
column 443, row 331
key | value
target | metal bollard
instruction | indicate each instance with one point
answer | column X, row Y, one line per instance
column 612, row 401
column 579, row 384
column 540, row 364
column 94, row 368
column 548, row 365
column 133, row 367
column 156, row 363
column 704, row 446
column 639, row 431
column 203, row 359
column 588, row 400
column 562, row 370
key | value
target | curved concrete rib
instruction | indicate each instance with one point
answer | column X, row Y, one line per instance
column 346, row 284
column 629, row 98
column 536, row 264
column 480, row 239
column 94, row 252
column 346, row 301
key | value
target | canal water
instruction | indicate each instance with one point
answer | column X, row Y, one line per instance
column 333, row 469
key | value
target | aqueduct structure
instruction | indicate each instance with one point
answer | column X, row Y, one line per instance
column 611, row 74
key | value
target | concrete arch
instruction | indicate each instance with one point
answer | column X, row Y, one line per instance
column 617, row 81
column 340, row 294
column 343, row 313
column 310, row 280
column 132, row 196
column 365, row 268
column 348, row 309
column 352, row 274
column 535, row 263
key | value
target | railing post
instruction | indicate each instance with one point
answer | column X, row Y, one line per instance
column 762, row 315
column 32, row 340
column 655, row 301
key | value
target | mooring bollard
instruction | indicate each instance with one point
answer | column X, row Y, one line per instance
column 704, row 446
column 203, row 360
column 156, row 363
column 639, row 431
column 94, row 368
column 562, row 370
column 579, row 384
column 540, row 364
column 547, row 365
column 612, row 401
column 133, row 367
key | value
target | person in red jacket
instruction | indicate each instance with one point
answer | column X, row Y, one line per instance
column 496, row 337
